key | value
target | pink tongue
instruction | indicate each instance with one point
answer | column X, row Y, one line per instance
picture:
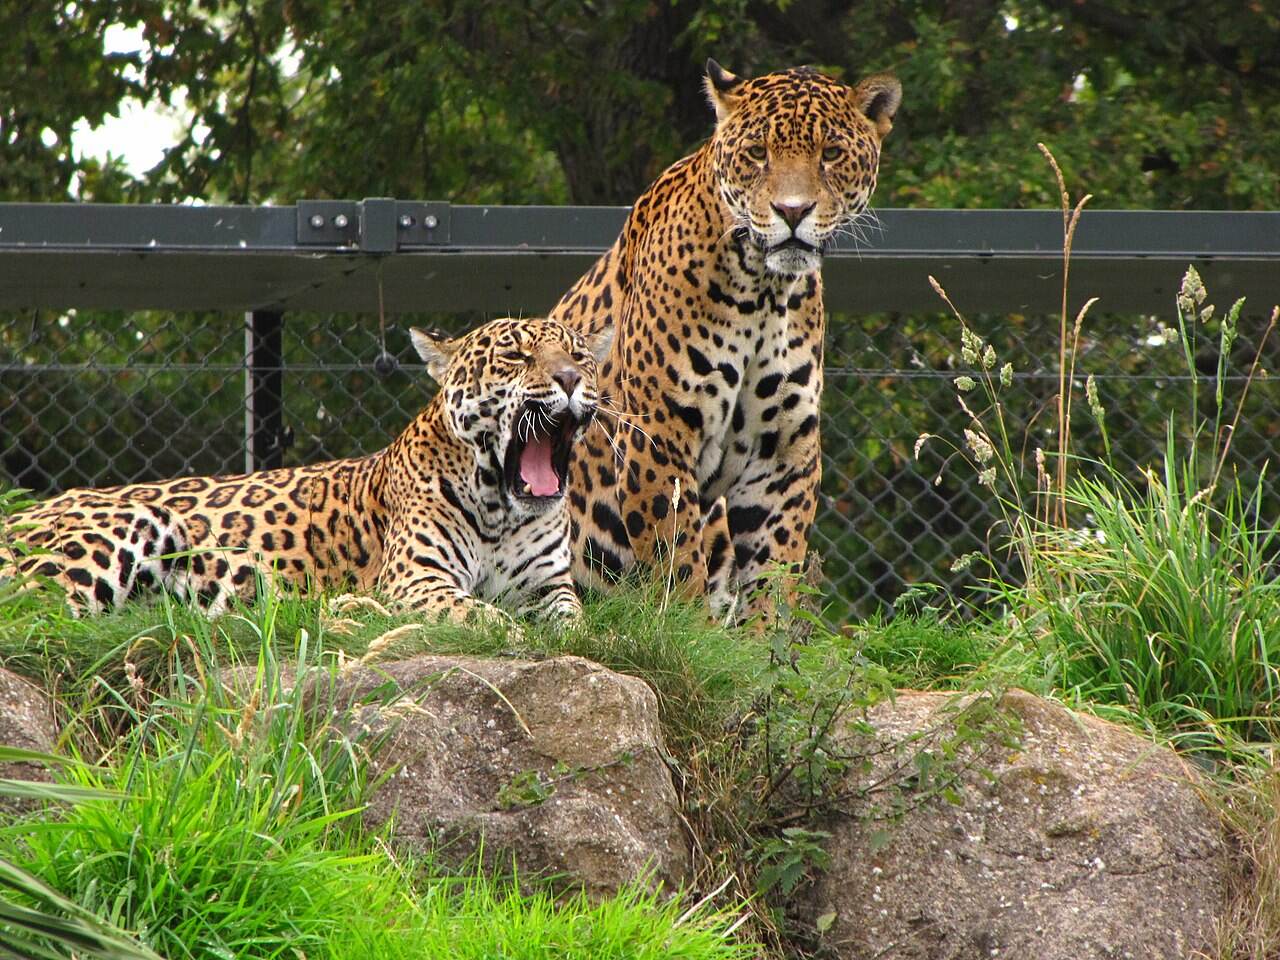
column 536, row 469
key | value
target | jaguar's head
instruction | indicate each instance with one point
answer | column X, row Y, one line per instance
column 520, row 393
column 796, row 155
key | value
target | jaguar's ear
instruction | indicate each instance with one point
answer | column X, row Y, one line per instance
column 600, row 342
column 878, row 98
column 435, row 349
column 720, row 84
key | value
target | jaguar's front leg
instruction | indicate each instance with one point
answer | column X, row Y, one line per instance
column 657, row 510
column 770, row 514
column 554, row 600
column 416, row 575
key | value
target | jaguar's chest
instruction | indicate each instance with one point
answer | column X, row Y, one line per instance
column 753, row 379
column 503, row 568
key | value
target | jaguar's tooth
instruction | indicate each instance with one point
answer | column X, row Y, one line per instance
column 528, row 490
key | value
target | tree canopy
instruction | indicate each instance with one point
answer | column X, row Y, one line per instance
column 1168, row 106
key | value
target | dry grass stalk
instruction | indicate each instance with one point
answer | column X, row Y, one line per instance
column 238, row 736
column 1249, row 929
column 1253, row 373
column 350, row 602
column 341, row 626
column 380, row 645
column 1070, row 220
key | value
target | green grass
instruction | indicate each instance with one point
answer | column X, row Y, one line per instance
column 697, row 670
column 480, row 919
column 235, row 833
column 1154, row 602
column 1173, row 610
column 35, row 919
column 925, row 651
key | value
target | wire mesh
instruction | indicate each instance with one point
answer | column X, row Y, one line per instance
column 105, row 398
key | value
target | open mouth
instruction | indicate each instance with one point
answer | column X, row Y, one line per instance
column 536, row 465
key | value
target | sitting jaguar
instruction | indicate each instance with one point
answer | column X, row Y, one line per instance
column 466, row 506
column 715, row 375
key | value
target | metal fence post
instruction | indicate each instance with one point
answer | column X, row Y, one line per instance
column 263, row 390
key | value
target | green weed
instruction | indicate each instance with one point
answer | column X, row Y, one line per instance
column 478, row 919
column 228, row 826
column 233, row 832
column 1157, row 600
column 925, row 650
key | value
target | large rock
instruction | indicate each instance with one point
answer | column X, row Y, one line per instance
column 26, row 722
column 558, row 762
column 1081, row 841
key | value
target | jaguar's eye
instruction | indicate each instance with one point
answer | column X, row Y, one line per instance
column 512, row 356
column 830, row 154
column 757, row 152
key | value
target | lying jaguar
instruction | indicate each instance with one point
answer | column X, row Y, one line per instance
column 715, row 375
column 466, row 506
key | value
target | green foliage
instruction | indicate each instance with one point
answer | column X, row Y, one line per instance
column 232, row 835
column 526, row 789
column 786, row 859
column 816, row 682
column 1167, row 602
column 225, row 823
column 1156, row 597
column 486, row 102
column 57, row 78
column 927, row 650
column 37, row 921
column 1173, row 610
column 478, row 919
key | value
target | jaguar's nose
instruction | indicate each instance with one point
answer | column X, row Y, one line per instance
column 792, row 212
column 568, row 378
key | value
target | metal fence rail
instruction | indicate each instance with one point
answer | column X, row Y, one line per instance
column 91, row 394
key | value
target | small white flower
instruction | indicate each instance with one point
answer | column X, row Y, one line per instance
column 980, row 445
column 1091, row 394
column 1192, row 293
column 1006, row 375
column 965, row 384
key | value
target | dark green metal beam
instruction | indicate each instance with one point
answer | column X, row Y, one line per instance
column 432, row 256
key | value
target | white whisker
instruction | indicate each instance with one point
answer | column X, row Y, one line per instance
column 622, row 422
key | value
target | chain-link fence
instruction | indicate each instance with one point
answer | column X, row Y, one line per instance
column 104, row 398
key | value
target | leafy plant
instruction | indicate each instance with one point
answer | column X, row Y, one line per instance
column 786, row 859
column 37, row 921
column 478, row 918
column 1159, row 598
column 232, row 829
